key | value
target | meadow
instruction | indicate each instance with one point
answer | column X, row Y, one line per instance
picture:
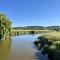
column 22, row 31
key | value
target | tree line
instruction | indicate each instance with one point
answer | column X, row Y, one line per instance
column 55, row 28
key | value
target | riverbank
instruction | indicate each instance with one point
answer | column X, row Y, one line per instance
column 50, row 44
column 19, row 32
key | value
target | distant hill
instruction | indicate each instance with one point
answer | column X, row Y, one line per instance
column 38, row 28
column 30, row 27
column 53, row 28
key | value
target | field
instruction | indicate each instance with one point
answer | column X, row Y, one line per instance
column 53, row 36
column 18, row 32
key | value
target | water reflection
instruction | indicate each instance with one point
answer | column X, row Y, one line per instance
column 20, row 48
column 5, row 49
column 39, row 56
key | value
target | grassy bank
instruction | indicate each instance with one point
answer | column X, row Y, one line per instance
column 50, row 43
column 19, row 32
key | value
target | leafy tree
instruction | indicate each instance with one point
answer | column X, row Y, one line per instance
column 5, row 25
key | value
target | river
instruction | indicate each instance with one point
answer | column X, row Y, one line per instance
column 20, row 48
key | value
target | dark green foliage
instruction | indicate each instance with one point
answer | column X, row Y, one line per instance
column 32, row 32
column 50, row 47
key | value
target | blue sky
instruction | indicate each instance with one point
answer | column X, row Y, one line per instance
column 32, row 12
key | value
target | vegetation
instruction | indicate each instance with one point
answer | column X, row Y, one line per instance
column 5, row 26
column 50, row 44
column 34, row 30
column 20, row 32
column 29, row 28
column 55, row 28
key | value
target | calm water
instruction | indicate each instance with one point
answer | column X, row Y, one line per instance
column 20, row 48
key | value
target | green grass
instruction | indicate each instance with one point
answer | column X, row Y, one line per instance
column 53, row 36
column 30, row 31
column 50, row 43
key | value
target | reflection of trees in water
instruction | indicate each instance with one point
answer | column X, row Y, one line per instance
column 40, row 56
column 5, row 49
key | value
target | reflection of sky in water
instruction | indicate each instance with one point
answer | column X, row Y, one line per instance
column 20, row 48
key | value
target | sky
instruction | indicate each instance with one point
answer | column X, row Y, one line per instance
column 31, row 12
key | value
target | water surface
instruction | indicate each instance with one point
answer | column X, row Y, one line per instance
column 20, row 48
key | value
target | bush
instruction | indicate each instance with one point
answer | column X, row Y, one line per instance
column 49, row 45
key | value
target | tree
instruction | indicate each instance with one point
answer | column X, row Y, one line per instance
column 5, row 26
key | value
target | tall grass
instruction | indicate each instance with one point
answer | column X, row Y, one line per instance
column 50, row 43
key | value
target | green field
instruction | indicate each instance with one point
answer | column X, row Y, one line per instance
column 18, row 32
